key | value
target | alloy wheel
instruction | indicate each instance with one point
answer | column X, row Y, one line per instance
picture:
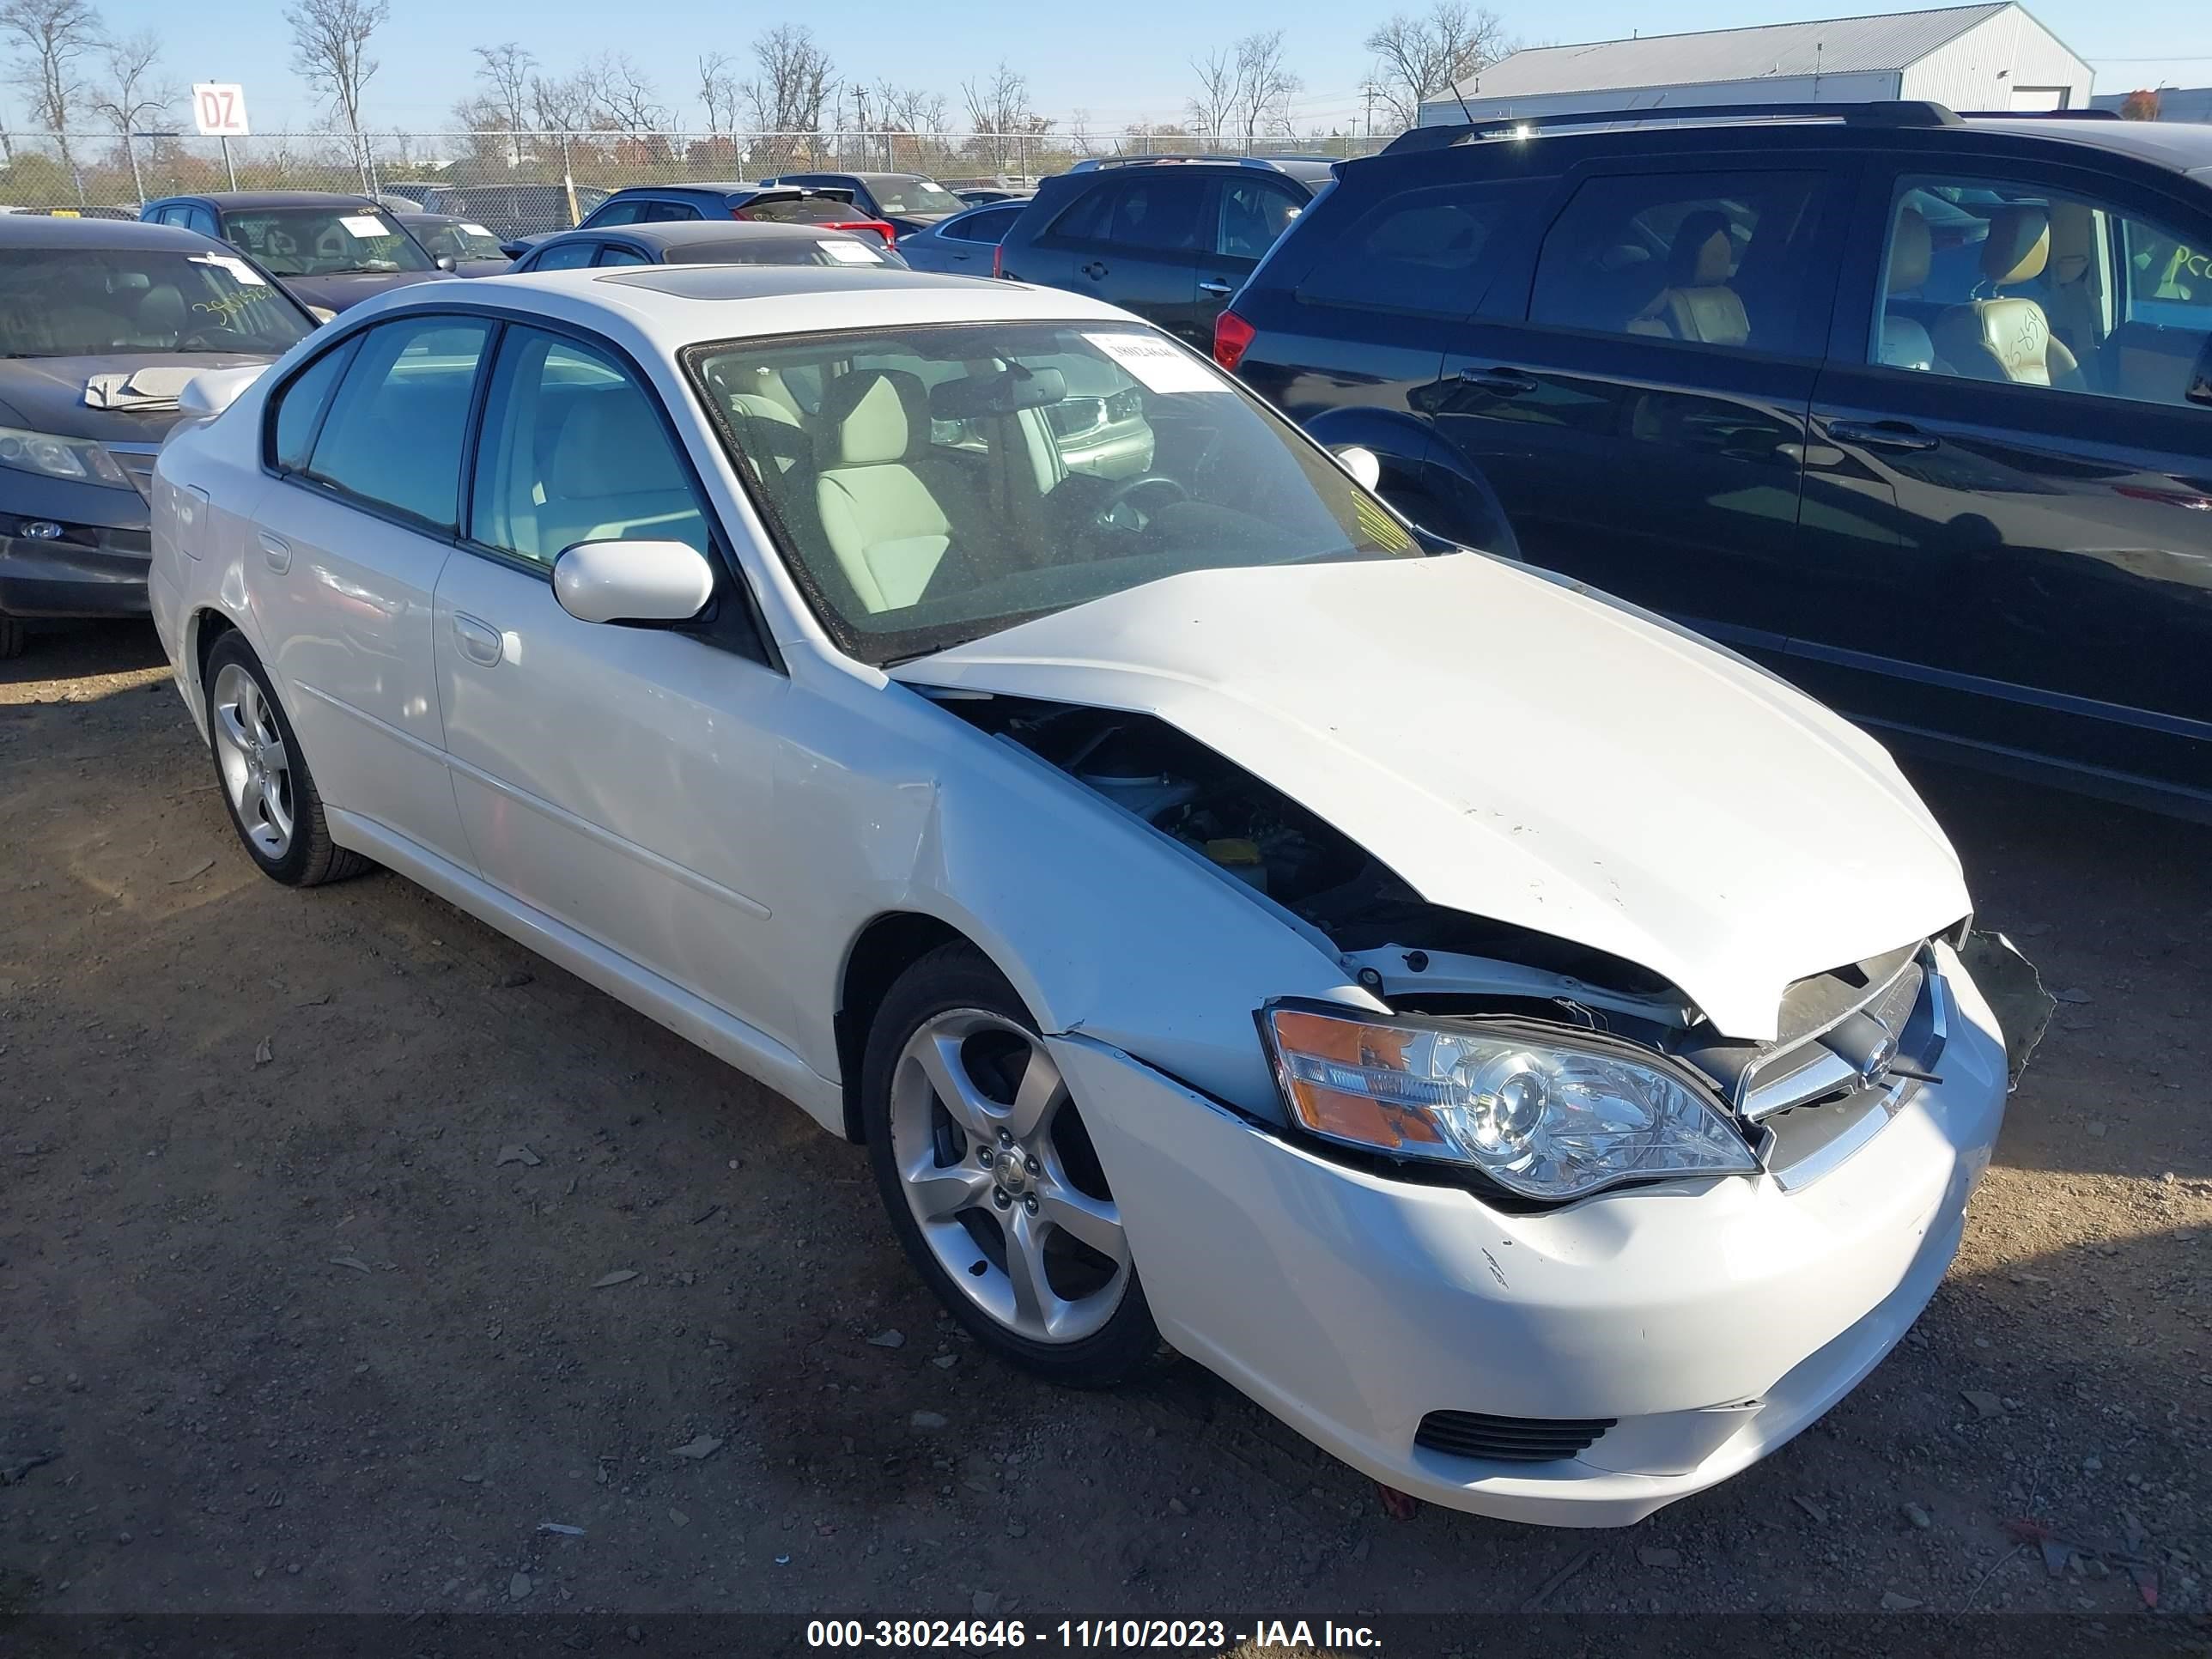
column 1002, row 1179
column 256, row 768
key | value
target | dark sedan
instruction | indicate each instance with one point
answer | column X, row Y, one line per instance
column 102, row 325
column 458, row 245
column 332, row 250
column 710, row 242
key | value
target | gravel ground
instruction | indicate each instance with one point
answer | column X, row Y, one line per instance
column 343, row 1243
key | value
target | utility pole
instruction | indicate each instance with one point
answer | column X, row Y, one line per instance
column 1367, row 92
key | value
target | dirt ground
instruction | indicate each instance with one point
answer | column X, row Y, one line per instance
column 305, row 1334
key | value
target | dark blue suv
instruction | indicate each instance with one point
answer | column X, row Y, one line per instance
column 1915, row 408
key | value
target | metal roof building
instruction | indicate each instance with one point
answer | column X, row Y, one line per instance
column 1993, row 57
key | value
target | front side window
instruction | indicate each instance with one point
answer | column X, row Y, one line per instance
column 928, row 485
column 1716, row 259
column 315, row 241
column 1253, row 215
column 574, row 450
column 393, row 435
column 74, row 302
column 2024, row 285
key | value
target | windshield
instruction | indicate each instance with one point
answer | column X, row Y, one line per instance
column 835, row 248
column 459, row 241
column 896, row 194
column 70, row 302
column 929, row 485
column 318, row 242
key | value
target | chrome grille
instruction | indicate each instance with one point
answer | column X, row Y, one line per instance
column 1853, row 1050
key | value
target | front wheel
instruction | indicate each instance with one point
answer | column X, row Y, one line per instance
column 991, row 1180
column 266, row 786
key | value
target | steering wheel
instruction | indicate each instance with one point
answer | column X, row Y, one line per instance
column 1129, row 486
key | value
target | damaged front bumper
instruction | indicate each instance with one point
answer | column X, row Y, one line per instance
column 1680, row 1330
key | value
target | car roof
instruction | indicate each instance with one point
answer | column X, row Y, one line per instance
column 713, row 186
column 36, row 230
column 671, row 306
column 273, row 198
column 684, row 232
column 2185, row 146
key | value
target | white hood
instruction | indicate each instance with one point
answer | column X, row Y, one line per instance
column 1515, row 750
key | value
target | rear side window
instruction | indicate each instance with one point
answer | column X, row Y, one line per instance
column 393, row 435
column 1158, row 212
column 1717, row 259
column 566, row 256
column 1422, row 251
column 990, row 226
column 662, row 213
column 299, row 405
column 1254, row 212
column 1085, row 218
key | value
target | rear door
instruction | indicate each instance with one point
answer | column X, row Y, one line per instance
column 1243, row 220
column 1638, row 398
column 1134, row 241
column 2018, row 553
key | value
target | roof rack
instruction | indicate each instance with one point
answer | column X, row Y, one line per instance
column 1899, row 112
column 2040, row 115
column 1094, row 163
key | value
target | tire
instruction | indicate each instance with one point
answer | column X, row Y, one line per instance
column 976, row 1232
column 263, row 774
column 12, row 635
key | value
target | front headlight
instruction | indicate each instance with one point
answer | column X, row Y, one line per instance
column 1538, row 1113
column 78, row 459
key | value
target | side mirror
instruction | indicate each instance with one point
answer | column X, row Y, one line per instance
column 514, row 250
column 1361, row 462
column 447, row 262
column 637, row 581
column 209, row 393
column 322, row 314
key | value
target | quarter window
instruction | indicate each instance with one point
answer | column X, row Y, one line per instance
column 299, row 407
column 393, row 435
column 566, row 256
column 574, row 450
column 1718, row 260
column 1422, row 251
column 2021, row 284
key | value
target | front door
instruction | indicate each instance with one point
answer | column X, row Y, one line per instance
column 343, row 561
column 2031, row 557
column 1643, row 427
column 619, row 779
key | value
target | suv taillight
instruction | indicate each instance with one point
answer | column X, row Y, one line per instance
column 998, row 260
column 1232, row 338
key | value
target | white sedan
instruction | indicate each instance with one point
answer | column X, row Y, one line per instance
column 1521, row 1045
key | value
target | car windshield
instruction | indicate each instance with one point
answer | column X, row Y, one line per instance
column 459, row 241
column 896, row 194
column 928, row 485
column 323, row 241
column 834, row 247
column 77, row 302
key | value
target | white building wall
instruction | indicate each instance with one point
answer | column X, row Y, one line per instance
column 1866, row 87
column 1979, row 69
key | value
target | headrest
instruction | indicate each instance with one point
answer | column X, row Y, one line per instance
column 1703, row 255
column 1910, row 249
column 611, row 445
column 162, row 310
column 875, row 415
column 2019, row 244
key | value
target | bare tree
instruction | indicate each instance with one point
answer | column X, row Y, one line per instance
column 1213, row 106
column 1423, row 58
column 505, row 71
column 788, row 96
column 1264, row 86
column 561, row 104
column 135, row 95
column 718, row 92
column 330, row 49
column 1000, row 107
column 623, row 96
column 52, row 37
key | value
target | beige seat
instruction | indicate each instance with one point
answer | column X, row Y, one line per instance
column 1698, row 303
column 882, row 522
column 2007, row 337
column 1904, row 340
column 614, row 478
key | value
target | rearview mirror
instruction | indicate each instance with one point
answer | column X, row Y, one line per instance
column 633, row 581
column 1361, row 462
column 216, row 390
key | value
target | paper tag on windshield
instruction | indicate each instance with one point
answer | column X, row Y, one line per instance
column 849, row 253
column 364, row 225
column 474, row 230
column 246, row 275
column 1158, row 366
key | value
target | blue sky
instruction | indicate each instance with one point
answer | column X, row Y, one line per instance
column 1121, row 62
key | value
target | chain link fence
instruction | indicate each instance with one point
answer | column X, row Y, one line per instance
column 104, row 174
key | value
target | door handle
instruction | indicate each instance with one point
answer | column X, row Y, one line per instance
column 278, row 551
column 479, row 642
column 1212, row 287
column 1881, row 435
column 1505, row 382
column 1094, row 271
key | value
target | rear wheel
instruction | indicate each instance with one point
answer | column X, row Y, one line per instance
column 266, row 786
column 991, row 1180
